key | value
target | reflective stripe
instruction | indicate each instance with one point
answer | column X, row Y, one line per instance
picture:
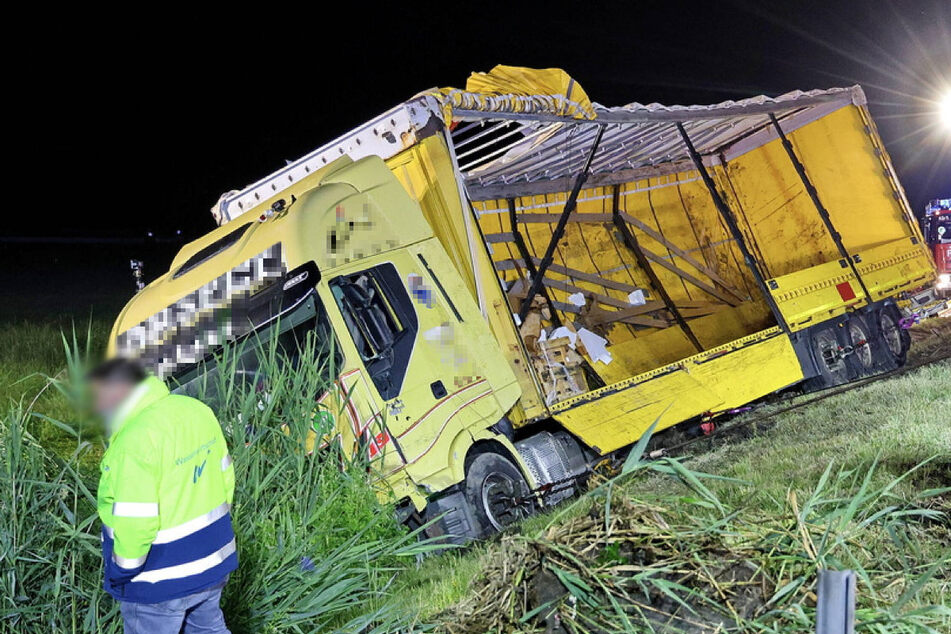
column 226, row 461
column 111, row 533
column 135, row 509
column 191, row 526
column 191, row 568
column 127, row 563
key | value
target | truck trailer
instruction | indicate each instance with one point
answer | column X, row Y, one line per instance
column 518, row 282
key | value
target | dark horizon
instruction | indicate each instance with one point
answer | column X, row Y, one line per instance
column 141, row 130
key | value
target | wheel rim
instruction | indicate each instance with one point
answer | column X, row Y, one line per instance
column 891, row 334
column 860, row 345
column 501, row 500
column 828, row 348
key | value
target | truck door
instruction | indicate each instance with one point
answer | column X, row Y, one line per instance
column 402, row 331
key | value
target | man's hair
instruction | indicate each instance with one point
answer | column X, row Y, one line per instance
column 118, row 370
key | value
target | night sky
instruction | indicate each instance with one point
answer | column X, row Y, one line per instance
column 141, row 126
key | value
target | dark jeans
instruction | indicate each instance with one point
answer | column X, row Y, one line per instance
column 198, row 613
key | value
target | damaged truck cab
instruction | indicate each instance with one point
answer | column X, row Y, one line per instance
column 515, row 282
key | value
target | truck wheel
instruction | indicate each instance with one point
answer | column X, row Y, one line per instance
column 892, row 338
column 497, row 493
column 826, row 353
column 862, row 358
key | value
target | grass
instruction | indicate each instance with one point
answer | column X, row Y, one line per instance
column 31, row 353
column 893, row 432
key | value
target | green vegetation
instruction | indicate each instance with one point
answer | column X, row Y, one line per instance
column 731, row 534
column 317, row 549
column 31, row 354
column 859, row 480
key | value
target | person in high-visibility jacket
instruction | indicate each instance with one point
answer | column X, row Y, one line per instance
column 165, row 495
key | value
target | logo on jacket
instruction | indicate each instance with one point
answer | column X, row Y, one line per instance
column 198, row 471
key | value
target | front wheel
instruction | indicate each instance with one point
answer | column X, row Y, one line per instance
column 497, row 493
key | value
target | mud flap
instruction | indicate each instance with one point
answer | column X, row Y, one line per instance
column 455, row 523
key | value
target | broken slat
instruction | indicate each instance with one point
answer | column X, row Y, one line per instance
column 567, row 286
column 511, row 263
column 694, row 303
column 597, row 316
column 700, row 311
column 686, row 257
column 590, row 277
column 640, row 254
column 630, row 318
column 673, row 268
column 567, row 308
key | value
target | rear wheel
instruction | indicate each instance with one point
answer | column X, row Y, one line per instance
column 862, row 358
column 827, row 354
column 497, row 493
column 893, row 340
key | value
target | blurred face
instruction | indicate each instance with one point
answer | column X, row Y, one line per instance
column 107, row 396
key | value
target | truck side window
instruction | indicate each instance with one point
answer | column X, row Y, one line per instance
column 304, row 331
column 380, row 317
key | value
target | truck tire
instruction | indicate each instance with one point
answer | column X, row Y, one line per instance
column 862, row 360
column 893, row 340
column 833, row 370
column 496, row 492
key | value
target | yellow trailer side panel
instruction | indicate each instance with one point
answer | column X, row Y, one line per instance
column 719, row 379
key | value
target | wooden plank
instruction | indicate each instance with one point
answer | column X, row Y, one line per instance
column 632, row 315
column 590, row 277
column 681, row 253
column 574, row 217
column 694, row 303
column 495, row 238
column 565, row 285
column 610, row 301
column 508, row 264
column 567, row 308
column 512, row 263
column 640, row 254
column 662, row 261
column 686, row 257
column 700, row 311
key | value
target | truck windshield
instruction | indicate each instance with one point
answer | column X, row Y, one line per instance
column 304, row 335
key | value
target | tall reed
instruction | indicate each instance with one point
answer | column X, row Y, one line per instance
column 318, row 543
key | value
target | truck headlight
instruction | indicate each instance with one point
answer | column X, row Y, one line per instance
column 944, row 281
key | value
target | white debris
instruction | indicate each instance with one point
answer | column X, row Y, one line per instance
column 563, row 331
column 636, row 298
column 576, row 299
column 518, row 320
column 595, row 345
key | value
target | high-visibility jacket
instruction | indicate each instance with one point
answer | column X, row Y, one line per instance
column 165, row 494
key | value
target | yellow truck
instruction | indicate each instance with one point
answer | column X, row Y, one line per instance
column 517, row 281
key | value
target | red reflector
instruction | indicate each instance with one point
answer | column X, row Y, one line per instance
column 707, row 428
column 845, row 291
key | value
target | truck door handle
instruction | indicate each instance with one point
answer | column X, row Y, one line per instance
column 439, row 390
